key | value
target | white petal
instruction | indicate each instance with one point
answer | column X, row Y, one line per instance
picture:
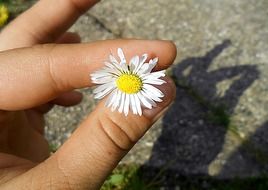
column 152, row 96
column 117, row 100
column 121, row 55
column 124, row 67
column 143, row 69
column 148, row 98
column 104, row 80
column 113, row 60
column 157, row 74
column 126, row 106
column 111, row 99
column 152, row 64
column 122, row 102
column 134, row 63
column 110, row 65
column 103, row 93
column 102, row 87
column 133, row 104
column 144, row 101
column 153, row 61
column 112, row 68
column 118, row 66
column 98, row 74
column 138, row 104
column 104, row 73
column 153, row 90
column 154, row 81
column 149, row 77
column 143, row 58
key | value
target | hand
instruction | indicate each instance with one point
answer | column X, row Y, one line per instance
column 35, row 77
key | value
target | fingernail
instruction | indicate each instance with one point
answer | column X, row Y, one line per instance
column 169, row 90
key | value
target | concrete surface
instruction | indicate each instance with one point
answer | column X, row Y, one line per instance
column 223, row 59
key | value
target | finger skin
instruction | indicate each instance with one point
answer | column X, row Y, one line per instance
column 39, row 74
column 48, row 21
column 95, row 148
column 66, row 99
column 69, row 38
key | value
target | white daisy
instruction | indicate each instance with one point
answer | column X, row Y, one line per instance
column 130, row 86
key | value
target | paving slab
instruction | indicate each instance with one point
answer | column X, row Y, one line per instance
column 222, row 64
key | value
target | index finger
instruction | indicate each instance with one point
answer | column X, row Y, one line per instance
column 48, row 20
column 33, row 76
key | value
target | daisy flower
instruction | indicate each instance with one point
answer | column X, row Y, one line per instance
column 129, row 85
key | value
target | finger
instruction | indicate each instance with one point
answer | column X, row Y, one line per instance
column 48, row 22
column 68, row 99
column 50, row 70
column 69, row 38
column 44, row 108
column 96, row 147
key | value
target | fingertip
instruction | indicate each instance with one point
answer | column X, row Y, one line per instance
column 165, row 50
column 167, row 54
column 173, row 50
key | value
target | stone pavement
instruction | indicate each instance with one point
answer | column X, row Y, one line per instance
column 218, row 123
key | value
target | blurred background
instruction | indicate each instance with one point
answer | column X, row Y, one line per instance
column 215, row 134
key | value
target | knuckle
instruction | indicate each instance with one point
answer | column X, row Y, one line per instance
column 53, row 67
column 116, row 133
column 64, row 180
column 133, row 125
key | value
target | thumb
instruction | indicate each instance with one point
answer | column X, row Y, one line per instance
column 97, row 146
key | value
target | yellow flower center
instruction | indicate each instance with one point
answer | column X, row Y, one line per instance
column 129, row 83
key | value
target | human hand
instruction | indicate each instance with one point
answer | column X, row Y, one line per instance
column 35, row 77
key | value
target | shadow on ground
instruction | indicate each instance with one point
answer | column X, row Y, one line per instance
column 251, row 158
column 194, row 127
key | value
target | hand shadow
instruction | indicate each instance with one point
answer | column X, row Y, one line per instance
column 189, row 141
